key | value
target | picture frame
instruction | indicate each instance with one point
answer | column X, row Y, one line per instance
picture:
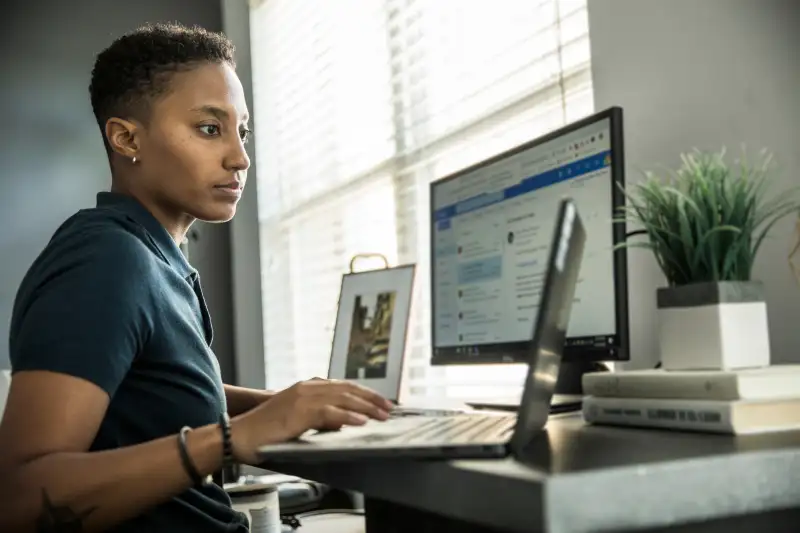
column 369, row 338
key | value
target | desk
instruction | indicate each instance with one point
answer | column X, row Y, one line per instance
column 577, row 478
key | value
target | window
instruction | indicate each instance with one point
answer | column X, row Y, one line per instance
column 359, row 105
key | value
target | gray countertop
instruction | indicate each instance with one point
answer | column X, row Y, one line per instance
column 578, row 478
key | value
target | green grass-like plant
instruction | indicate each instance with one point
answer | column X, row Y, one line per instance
column 706, row 221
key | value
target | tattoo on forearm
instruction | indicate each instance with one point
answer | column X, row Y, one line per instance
column 59, row 518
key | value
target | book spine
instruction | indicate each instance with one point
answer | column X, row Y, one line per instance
column 669, row 414
column 660, row 387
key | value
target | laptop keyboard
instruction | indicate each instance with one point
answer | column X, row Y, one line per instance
column 399, row 412
column 460, row 429
column 420, row 430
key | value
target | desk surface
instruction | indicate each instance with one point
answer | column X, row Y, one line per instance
column 577, row 478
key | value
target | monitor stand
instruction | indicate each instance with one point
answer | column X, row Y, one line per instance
column 568, row 394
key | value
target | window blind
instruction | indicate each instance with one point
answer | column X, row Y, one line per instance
column 359, row 105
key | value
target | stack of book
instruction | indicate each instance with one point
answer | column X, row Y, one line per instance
column 753, row 400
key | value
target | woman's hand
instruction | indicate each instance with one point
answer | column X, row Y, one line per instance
column 313, row 404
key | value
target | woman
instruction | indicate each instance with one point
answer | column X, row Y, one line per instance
column 117, row 414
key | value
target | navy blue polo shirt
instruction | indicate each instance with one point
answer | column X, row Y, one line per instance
column 112, row 300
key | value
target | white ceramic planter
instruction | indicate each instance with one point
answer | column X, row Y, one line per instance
column 713, row 326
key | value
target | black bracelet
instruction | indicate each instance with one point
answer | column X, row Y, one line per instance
column 188, row 465
column 227, row 444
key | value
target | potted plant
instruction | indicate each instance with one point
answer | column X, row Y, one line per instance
column 705, row 223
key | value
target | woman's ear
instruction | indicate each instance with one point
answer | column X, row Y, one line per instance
column 123, row 137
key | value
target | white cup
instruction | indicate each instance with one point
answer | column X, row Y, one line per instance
column 259, row 501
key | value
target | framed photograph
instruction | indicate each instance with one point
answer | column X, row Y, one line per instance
column 369, row 339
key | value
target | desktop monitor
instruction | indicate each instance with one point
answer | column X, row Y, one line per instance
column 490, row 231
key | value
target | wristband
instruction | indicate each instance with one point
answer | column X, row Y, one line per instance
column 188, row 465
column 227, row 443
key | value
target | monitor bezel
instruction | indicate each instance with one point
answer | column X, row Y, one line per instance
column 577, row 349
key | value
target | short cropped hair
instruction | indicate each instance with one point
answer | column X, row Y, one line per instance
column 136, row 67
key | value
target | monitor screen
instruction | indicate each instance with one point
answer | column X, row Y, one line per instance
column 490, row 232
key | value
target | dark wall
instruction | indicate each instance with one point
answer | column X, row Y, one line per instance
column 245, row 241
column 52, row 161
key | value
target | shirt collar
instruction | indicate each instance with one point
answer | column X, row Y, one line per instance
column 133, row 209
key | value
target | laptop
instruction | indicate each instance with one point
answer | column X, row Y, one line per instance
column 473, row 434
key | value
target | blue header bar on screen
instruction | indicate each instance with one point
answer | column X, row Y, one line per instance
column 566, row 172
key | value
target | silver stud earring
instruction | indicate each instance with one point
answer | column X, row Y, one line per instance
column 133, row 160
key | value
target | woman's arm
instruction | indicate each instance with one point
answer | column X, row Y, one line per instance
column 241, row 399
column 52, row 484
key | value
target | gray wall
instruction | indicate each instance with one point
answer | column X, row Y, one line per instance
column 52, row 160
column 692, row 73
column 248, row 326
